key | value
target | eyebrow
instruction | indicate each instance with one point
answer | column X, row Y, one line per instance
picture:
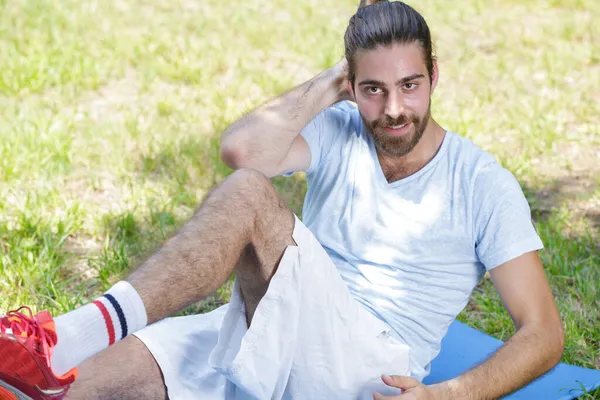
column 400, row 82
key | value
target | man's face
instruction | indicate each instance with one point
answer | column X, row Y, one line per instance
column 393, row 93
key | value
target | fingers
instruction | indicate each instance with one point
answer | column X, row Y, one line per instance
column 400, row 382
column 405, row 383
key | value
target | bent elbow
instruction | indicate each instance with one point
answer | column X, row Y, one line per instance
column 232, row 154
column 557, row 346
column 560, row 343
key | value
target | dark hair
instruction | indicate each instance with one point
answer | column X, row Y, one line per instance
column 385, row 23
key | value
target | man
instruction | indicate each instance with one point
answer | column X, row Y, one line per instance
column 404, row 219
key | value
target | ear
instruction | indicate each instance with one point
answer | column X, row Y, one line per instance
column 351, row 91
column 434, row 76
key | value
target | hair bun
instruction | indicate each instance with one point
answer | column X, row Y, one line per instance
column 364, row 3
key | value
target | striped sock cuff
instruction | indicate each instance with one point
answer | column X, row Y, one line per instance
column 120, row 313
column 120, row 307
column 126, row 308
column 107, row 320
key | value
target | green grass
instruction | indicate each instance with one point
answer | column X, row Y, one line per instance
column 110, row 114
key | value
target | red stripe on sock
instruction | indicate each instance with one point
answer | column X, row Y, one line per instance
column 108, row 320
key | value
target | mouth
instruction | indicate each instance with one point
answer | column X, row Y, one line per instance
column 397, row 130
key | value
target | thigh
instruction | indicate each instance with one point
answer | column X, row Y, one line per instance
column 124, row 371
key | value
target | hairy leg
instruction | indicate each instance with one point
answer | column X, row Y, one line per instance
column 242, row 216
column 124, row 371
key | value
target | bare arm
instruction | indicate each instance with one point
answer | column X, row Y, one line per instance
column 267, row 139
column 533, row 350
column 536, row 346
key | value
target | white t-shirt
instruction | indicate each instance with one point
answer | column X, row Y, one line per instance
column 411, row 251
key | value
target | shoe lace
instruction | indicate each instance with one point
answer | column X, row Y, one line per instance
column 26, row 325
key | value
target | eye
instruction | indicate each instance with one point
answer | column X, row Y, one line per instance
column 410, row 86
column 373, row 90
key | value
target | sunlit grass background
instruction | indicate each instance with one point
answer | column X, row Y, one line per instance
column 111, row 111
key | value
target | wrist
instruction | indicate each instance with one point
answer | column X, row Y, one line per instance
column 447, row 390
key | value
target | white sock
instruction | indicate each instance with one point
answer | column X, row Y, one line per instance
column 94, row 327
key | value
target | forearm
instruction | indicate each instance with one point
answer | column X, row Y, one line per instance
column 531, row 352
column 262, row 138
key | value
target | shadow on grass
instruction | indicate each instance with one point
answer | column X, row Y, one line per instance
column 574, row 193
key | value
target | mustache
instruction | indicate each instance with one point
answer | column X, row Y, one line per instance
column 387, row 122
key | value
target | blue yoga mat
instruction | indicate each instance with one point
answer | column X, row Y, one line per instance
column 464, row 347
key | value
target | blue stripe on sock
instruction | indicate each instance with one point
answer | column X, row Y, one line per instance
column 120, row 313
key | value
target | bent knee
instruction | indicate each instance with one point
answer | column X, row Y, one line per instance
column 248, row 178
column 252, row 186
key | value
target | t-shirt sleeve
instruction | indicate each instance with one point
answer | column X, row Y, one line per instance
column 324, row 131
column 503, row 226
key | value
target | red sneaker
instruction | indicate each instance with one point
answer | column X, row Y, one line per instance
column 26, row 345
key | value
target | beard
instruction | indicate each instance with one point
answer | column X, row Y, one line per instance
column 397, row 146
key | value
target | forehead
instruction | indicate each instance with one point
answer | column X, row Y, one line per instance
column 390, row 62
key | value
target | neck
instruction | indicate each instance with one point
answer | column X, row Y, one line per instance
column 395, row 168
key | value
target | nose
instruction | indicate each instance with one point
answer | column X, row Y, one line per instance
column 394, row 105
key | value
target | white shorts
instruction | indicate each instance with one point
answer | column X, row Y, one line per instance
column 309, row 339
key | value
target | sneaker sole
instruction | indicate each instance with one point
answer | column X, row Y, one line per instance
column 8, row 392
